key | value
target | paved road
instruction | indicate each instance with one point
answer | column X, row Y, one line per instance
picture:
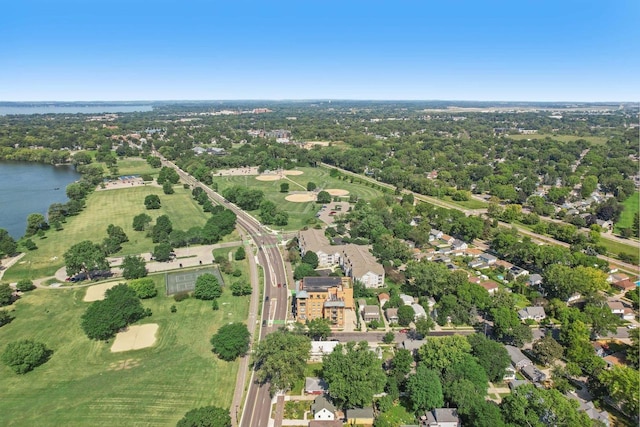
column 257, row 408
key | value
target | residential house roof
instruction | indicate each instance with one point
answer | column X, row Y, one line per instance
column 418, row 311
column 534, row 279
column 406, row 299
column 490, row 285
column 360, row 413
column 321, row 402
column 314, row 384
column 616, row 306
column 625, row 285
column 442, row 415
column 371, row 310
column 517, row 356
column 383, row 297
column 392, row 313
column 532, row 313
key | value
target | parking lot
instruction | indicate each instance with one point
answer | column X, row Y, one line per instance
column 329, row 211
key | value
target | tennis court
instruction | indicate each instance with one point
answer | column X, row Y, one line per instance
column 185, row 281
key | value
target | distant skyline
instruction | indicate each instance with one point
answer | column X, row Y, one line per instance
column 121, row 50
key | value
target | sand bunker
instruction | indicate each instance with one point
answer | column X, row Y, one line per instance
column 268, row 177
column 299, row 198
column 96, row 292
column 135, row 338
column 293, row 172
column 337, row 192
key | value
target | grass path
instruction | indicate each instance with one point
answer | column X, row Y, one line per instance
column 631, row 206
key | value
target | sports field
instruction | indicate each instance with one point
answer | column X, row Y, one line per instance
column 85, row 384
column 116, row 207
column 185, row 280
column 299, row 213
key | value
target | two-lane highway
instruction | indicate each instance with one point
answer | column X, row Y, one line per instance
column 257, row 407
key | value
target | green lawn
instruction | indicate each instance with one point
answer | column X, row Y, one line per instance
column 106, row 207
column 136, row 166
column 562, row 138
column 631, row 206
column 468, row 204
column 299, row 213
column 85, row 384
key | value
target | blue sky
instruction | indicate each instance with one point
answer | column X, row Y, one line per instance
column 451, row 50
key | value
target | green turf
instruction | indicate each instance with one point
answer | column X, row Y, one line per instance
column 136, row 166
column 106, row 207
column 299, row 213
column 468, row 204
column 631, row 206
column 562, row 138
column 83, row 383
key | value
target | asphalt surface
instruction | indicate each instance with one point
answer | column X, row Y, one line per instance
column 257, row 408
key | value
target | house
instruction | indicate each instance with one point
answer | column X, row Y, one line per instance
column 509, row 374
column 487, row 258
column 441, row 417
column 319, row 349
column 628, row 314
column 315, row 241
column 599, row 349
column 383, row 298
column 359, row 264
column 590, row 409
column 447, row 239
column 534, row 374
column 360, row 416
column 434, row 234
column 518, row 359
column 407, row 299
column 534, row 280
column 517, row 271
column 370, row 313
column 459, row 245
column 533, row 313
column 314, row 385
column 617, row 277
column 322, row 409
column 491, row 286
column 323, row 298
column 392, row 315
column 419, row 312
column 573, row 297
column 616, row 307
column 624, row 285
column 411, row 345
column 517, row 383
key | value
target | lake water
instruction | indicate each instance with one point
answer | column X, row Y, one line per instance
column 71, row 109
column 27, row 188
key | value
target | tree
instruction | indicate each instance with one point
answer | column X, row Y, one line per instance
column 439, row 352
column 207, row 416
column 162, row 252
column 241, row 289
column 427, row 278
column 240, row 254
column 117, row 233
column 167, row 188
column 304, row 270
column 424, row 390
column 154, row 162
column 405, row 315
column 5, row 318
column 8, row 246
column 424, row 325
column 311, row 259
column 530, row 406
column 508, row 328
column 231, row 341
column 602, row 320
column 207, row 287
column 162, row 229
column 280, row 359
column 343, row 365
column 388, row 338
column 25, row 285
column 152, row 201
column 140, row 222
column 491, row 355
column 623, row 385
column 118, row 309
column 466, row 368
column 24, row 355
column 144, row 288
column 633, row 351
column 401, row 364
column 323, row 197
column 85, row 256
column 35, row 222
column 6, row 294
column 133, row 267
column 284, row 187
column 635, row 226
column 318, row 329
column 30, row 245
column 311, row 186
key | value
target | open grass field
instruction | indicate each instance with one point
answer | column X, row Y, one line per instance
column 84, row 384
column 136, row 166
column 116, row 207
column 631, row 206
column 299, row 213
column 599, row 140
column 468, row 204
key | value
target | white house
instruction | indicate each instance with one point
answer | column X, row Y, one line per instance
column 322, row 409
column 441, row 417
column 407, row 299
column 534, row 313
column 419, row 311
column 487, row 258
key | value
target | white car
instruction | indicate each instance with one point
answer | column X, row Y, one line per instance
column 632, row 326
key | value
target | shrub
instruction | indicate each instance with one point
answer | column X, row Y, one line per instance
column 241, row 288
column 25, row 285
column 24, row 355
column 180, row 296
column 206, row 416
column 240, row 254
column 173, row 309
column 237, row 273
column 6, row 294
column 214, row 305
column 144, row 288
column 146, row 178
column 207, row 287
column 5, row 318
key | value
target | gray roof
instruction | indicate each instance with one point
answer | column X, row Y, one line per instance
column 315, row 384
column 443, row 415
column 366, row 412
column 516, row 355
column 321, row 402
column 334, row 304
column 315, row 284
column 535, row 278
column 371, row 309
